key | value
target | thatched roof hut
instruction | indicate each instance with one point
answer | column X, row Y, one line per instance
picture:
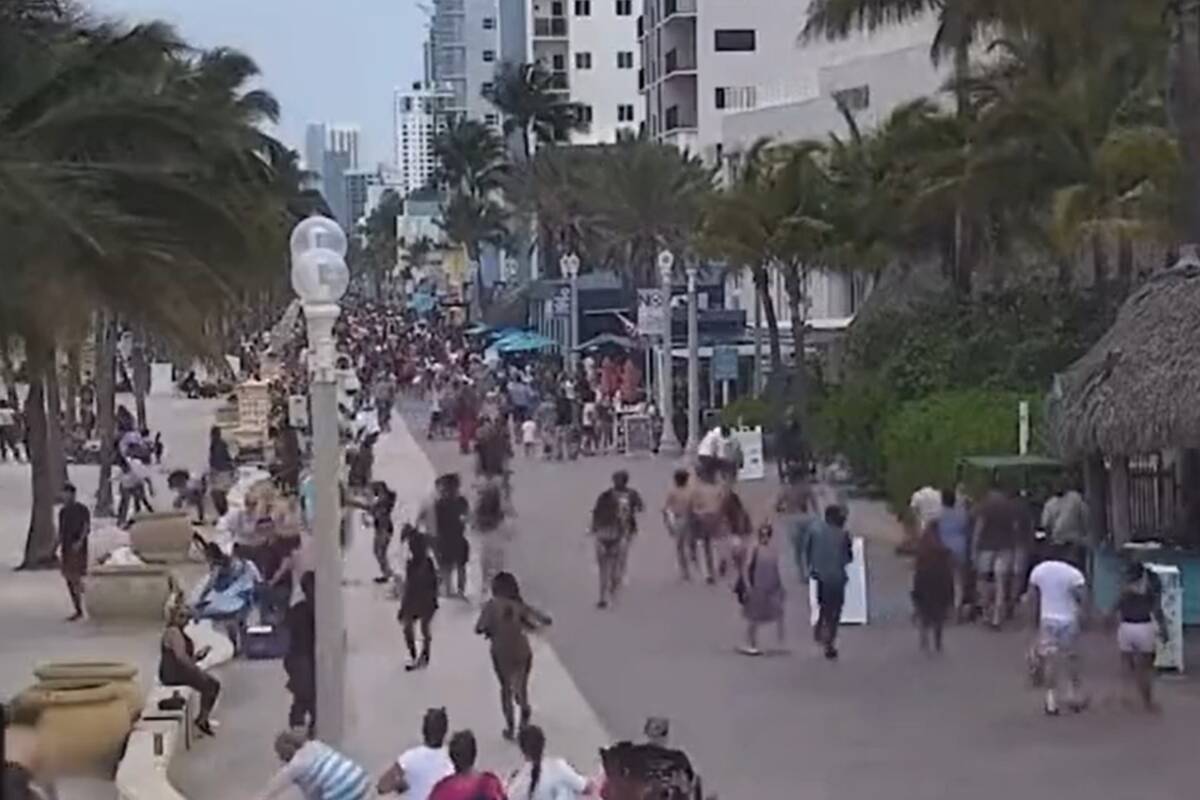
column 1137, row 390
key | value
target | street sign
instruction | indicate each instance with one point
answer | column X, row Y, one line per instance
column 639, row 435
column 651, row 316
column 725, row 363
column 751, row 441
column 562, row 301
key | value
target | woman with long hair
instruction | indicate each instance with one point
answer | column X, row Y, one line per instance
column 420, row 601
column 541, row 778
column 506, row 620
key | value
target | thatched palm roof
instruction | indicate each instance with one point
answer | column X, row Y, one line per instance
column 1138, row 389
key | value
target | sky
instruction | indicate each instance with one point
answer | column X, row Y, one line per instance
column 334, row 61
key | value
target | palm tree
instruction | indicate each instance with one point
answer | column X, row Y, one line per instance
column 644, row 197
column 470, row 157
column 378, row 231
column 739, row 227
column 129, row 181
column 534, row 107
column 471, row 221
column 551, row 188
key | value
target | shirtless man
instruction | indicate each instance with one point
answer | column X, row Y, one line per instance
column 708, row 505
column 676, row 516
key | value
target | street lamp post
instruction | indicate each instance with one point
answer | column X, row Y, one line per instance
column 570, row 268
column 669, row 443
column 693, row 373
column 319, row 278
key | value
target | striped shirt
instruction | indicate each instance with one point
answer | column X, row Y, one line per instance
column 322, row 773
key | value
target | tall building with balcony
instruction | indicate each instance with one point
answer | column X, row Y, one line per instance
column 463, row 50
column 708, row 64
column 420, row 115
column 589, row 47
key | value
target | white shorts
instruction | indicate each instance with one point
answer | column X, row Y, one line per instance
column 1137, row 637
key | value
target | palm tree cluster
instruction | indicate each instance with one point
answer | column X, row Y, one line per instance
column 136, row 188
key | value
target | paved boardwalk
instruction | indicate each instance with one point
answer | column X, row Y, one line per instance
column 885, row 721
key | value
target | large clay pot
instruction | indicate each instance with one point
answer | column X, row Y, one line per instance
column 121, row 675
column 130, row 592
column 83, row 726
column 161, row 536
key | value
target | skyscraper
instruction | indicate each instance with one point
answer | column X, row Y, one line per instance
column 345, row 139
column 420, row 115
column 316, row 135
column 330, row 151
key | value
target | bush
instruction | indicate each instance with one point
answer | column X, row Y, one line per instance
column 849, row 422
column 923, row 439
column 749, row 411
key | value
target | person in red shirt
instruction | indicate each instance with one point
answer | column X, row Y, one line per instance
column 467, row 783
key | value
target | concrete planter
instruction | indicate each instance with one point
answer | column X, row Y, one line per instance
column 161, row 536
column 129, row 593
column 122, row 676
column 83, row 726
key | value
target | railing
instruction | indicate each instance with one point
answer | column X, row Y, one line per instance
column 549, row 26
column 676, row 62
column 672, row 7
column 558, row 81
column 673, row 120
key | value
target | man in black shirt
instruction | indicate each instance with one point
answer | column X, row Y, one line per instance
column 74, row 523
column 300, row 661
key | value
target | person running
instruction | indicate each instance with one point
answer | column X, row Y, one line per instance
column 676, row 518
column 795, row 503
column 707, row 515
column 761, row 592
column 828, row 553
column 639, row 771
column 995, row 541
column 317, row 770
column 1058, row 592
column 614, row 526
column 134, row 483
column 450, row 511
column 953, row 529
column 494, row 533
column 380, row 508
column 222, row 472
column 467, row 783
column 1141, row 626
column 74, row 525
column 420, row 601
column 419, row 769
column 933, row 587
column 505, row 621
column 541, row 778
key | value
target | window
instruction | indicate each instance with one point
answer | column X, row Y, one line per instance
column 559, row 62
column 625, row 112
column 486, row 88
column 856, row 98
column 489, row 23
column 585, row 114
column 624, row 59
column 583, row 61
column 556, row 9
column 489, row 55
column 735, row 97
column 733, row 40
column 491, row 119
column 624, row 8
column 583, row 8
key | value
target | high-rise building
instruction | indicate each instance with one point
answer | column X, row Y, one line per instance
column 329, row 152
column 345, row 139
column 463, row 50
column 316, row 135
column 420, row 115
column 718, row 74
column 590, row 49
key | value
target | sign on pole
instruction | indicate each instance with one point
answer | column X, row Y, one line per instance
column 562, row 301
column 854, row 609
column 725, row 363
column 639, row 435
column 651, row 315
column 753, row 466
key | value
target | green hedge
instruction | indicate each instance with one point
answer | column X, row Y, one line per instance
column 923, row 439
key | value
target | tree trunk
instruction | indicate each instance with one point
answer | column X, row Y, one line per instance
column 55, row 452
column 9, row 374
column 72, row 385
column 762, row 280
column 41, row 540
column 1183, row 70
column 106, row 408
column 794, row 284
column 139, row 376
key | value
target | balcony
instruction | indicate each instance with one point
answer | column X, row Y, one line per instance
column 673, row 120
column 678, row 63
column 641, row 80
column 558, row 81
column 678, row 8
column 641, row 27
column 549, row 27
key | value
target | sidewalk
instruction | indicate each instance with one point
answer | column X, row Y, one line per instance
column 386, row 704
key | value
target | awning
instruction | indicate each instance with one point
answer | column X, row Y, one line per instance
column 522, row 342
column 607, row 340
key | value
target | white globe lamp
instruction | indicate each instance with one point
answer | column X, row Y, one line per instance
column 319, row 276
column 317, row 232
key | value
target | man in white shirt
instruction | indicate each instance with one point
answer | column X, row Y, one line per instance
column 719, row 452
column 1059, row 592
column 419, row 769
column 926, row 506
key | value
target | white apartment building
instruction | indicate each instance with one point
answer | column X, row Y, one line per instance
column 719, row 76
column 590, row 48
column 419, row 115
